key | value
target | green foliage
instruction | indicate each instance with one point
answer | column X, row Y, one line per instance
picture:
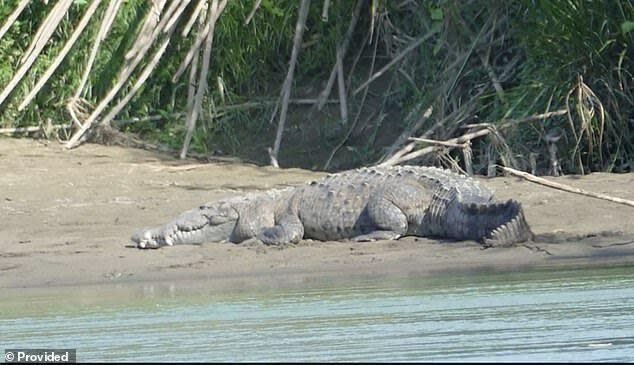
column 486, row 61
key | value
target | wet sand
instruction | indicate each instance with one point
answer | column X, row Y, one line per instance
column 66, row 218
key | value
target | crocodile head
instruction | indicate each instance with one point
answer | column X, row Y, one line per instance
column 208, row 223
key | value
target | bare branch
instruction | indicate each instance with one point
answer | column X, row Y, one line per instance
column 256, row 6
column 62, row 54
column 286, row 88
column 37, row 45
column 192, row 115
column 570, row 189
column 12, row 18
column 415, row 44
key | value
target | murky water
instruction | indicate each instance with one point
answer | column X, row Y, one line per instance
column 574, row 315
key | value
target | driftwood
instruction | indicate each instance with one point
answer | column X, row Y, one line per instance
column 570, row 189
column 288, row 82
column 192, row 116
column 62, row 54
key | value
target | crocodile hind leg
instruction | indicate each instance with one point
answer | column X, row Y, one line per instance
column 288, row 229
column 386, row 220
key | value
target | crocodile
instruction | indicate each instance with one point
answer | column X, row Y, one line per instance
column 366, row 204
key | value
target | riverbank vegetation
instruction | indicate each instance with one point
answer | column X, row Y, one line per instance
column 540, row 86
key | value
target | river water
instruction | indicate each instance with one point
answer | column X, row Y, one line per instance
column 571, row 315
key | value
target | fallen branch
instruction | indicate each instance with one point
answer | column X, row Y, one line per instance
column 570, row 189
column 415, row 44
column 12, row 18
column 288, row 82
column 62, row 54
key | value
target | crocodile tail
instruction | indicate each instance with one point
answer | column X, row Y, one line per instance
column 509, row 224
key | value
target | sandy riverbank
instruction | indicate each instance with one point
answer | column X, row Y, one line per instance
column 66, row 218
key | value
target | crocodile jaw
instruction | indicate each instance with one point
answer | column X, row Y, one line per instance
column 175, row 235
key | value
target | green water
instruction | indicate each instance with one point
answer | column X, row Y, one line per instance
column 574, row 315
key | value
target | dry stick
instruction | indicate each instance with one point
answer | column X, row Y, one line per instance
column 252, row 13
column 405, row 150
column 149, row 27
column 410, row 147
column 570, row 189
column 344, row 49
column 440, row 143
column 12, row 18
column 30, row 129
column 409, row 131
column 174, row 17
column 45, row 30
column 124, row 74
column 223, row 109
column 53, row 18
column 62, row 54
column 512, row 122
column 288, row 82
column 196, row 15
column 494, row 79
column 106, row 24
column 343, row 101
column 359, row 110
column 395, row 60
column 200, row 38
column 459, row 140
column 147, row 71
column 394, row 160
column 214, row 12
column 343, row 105
column 191, row 87
column 324, row 10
